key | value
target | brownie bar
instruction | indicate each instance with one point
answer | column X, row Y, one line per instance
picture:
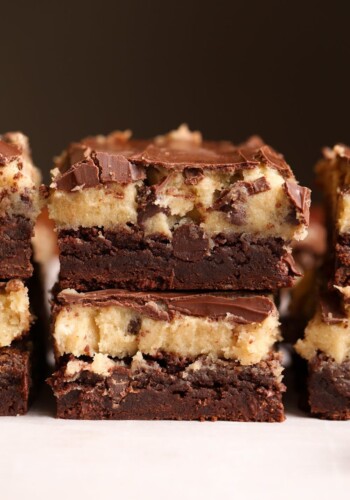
column 176, row 212
column 333, row 175
column 329, row 388
column 19, row 206
column 15, row 378
column 326, row 347
column 15, row 247
column 171, row 389
column 91, row 259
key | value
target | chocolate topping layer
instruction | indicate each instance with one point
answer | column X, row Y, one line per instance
column 8, row 152
column 122, row 160
column 245, row 309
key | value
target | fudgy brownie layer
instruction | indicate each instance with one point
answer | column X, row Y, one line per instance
column 15, row 247
column 329, row 388
column 342, row 260
column 95, row 259
column 15, row 379
column 171, row 390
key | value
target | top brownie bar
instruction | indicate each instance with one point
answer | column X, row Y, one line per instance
column 176, row 212
column 19, row 205
column 333, row 175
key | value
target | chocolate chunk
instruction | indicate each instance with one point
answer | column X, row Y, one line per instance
column 149, row 211
column 8, row 152
column 80, row 175
column 134, row 326
column 332, row 309
column 258, row 186
column 289, row 260
column 190, row 243
column 232, row 201
column 193, row 175
column 117, row 168
column 245, row 310
column 300, row 198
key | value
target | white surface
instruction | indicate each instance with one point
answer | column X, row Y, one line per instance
column 41, row 457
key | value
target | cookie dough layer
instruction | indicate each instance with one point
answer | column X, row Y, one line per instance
column 112, row 182
column 328, row 331
column 333, row 174
column 19, row 178
column 326, row 347
column 15, row 317
column 329, row 388
column 170, row 388
column 93, row 259
column 15, row 379
column 120, row 324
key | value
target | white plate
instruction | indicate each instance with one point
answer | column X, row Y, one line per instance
column 45, row 458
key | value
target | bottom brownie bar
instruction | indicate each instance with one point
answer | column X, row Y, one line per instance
column 329, row 388
column 326, row 347
column 169, row 388
column 15, row 378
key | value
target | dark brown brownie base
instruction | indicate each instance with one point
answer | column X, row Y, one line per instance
column 15, row 248
column 342, row 261
column 15, row 379
column 165, row 391
column 92, row 259
column 329, row 388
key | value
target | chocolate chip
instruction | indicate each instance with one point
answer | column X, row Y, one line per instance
column 190, row 243
column 134, row 325
column 193, row 175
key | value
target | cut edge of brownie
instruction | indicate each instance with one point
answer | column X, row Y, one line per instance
column 169, row 388
column 16, row 383
column 88, row 256
column 329, row 388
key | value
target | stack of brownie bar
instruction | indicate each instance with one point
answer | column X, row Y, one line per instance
column 19, row 207
column 326, row 343
column 169, row 252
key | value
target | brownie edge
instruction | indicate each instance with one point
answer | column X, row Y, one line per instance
column 166, row 389
column 329, row 388
column 15, row 379
column 127, row 260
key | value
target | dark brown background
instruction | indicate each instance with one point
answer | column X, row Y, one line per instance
column 230, row 69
